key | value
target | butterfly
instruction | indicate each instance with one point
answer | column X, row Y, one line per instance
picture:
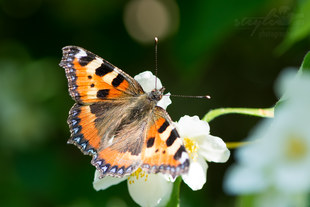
column 116, row 122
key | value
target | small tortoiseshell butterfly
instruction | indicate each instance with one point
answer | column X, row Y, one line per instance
column 118, row 123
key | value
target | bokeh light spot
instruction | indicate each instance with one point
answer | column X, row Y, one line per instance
column 145, row 19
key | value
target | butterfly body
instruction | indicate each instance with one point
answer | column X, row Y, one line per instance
column 117, row 122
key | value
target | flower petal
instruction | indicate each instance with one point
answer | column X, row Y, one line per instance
column 147, row 81
column 292, row 179
column 244, row 180
column 196, row 176
column 293, row 86
column 104, row 183
column 149, row 189
column 192, row 127
column 165, row 101
column 213, row 148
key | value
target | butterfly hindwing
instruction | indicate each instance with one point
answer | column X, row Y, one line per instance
column 92, row 79
column 163, row 150
column 84, row 133
column 106, row 131
column 122, row 136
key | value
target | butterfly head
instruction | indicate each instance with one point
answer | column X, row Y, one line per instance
column 156, row 94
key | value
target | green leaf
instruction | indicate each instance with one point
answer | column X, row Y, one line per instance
column 175, row 195
column 305, row 66
column 299, row 27
column 245, row 201
column 267, row 112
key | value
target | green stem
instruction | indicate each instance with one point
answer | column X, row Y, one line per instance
column 175, row 195
column 234, row 145
column 266, row 112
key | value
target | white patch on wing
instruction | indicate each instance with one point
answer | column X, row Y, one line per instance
column 108, row 78
column 164, row 136
column 175, row 146
column 149, row 152
column 80, row 54
column 93, row 65
column 184, row 157
column 92, row 92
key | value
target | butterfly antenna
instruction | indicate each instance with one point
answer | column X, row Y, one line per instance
column 184, row 96
column 156, row 43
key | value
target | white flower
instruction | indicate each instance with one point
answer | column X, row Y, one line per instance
column 149, row 189
column 291, row 85
column 145, row 189
column 201, row 147
column 279, row 158
column 147, row 80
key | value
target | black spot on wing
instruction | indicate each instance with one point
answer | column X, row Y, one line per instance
column 186, row 164
column 179, row 152
column 173, row 136
column 71, row 50
column 150, row 142
column 86, row 59
column 102, row 94
column 118, row 80
column 104, row 69
column 163, row 127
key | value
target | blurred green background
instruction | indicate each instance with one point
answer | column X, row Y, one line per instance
column 231, row 50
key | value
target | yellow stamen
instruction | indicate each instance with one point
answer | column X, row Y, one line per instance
column 191, row 147
column 139, row 173
column 296, row 148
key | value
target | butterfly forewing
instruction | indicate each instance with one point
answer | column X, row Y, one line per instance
column 92, row 79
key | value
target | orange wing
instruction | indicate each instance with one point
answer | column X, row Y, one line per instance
column 114, row 146
column 92, row 79
column 84, row 133
column 163, row 150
